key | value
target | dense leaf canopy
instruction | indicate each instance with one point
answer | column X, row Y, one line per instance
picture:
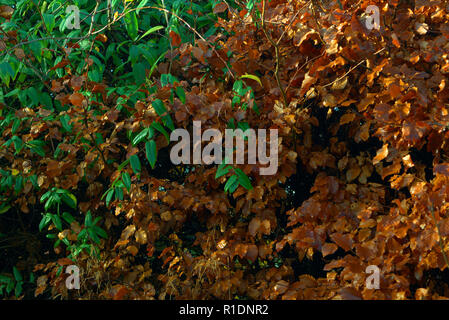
column 86, row 177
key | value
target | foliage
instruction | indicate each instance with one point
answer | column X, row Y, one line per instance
column 85, row 120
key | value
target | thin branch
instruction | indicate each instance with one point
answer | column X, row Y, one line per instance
column 349, row 71
column 291, row 22
column 276, row 50
column 169, row 41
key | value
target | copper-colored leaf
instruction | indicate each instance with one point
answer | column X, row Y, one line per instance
column 76, row 99
column 381, row 154
column 328, row 248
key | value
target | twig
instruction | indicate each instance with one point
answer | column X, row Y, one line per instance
column 276, row 50
column 196, row 32
column 169, row 40
column 349, row 71
column 291, row 21
column 297, row 70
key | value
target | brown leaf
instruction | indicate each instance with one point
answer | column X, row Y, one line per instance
column 343, row 240
column 328, row 248
column 61, row 64
column 76, row 83
column 65, row 262
column 128, row 232
column 220, row 7
column 252, row 252
column 132, row 249
column 254, row 225
column 20, row 54
column 442, row 168
column 352, row 173
column 198, row 54
column 6, row 12
column 346, row 118
column 141, row 236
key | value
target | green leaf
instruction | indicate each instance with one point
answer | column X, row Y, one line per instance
column 45, row 196
column 19, row 183
column 5, row 68
column 123, row 164
column 57, row 221
column 126, row 180
column 132, row 25
column 36, row 147
column 97, row 219
column 135, row 163
column 181, row 94
column 88, row 219
column 45, row 220
column 154, row 29
column 231, row 123
column 139, row 73
column 10, row 286
column 82, row 234
column 93, row 236
column 100, row 232
column 17, row 274
column 151, row 152
column 231, row 184
column 159, row 107
column 69, row 199
column 109, row 196
column 253, row 77
column 15, row 125
column 4, row 208
column 68, row 217
column 243, row 179
column 222, row 170
column 65, row 119
column 18, row 289
column 160, row 128
column 118, row 193
column 244, row 126
column 238, row 87
column 34, row 95
column 140, row 136
column 168, row 122
column 33, row 180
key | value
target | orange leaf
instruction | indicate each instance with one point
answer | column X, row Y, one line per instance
column 395, row 39
column 76, row 99
column 175, row 38
column 343, row 240
column 133, row 250
column 381, row 154
column 120, row 293
column 101, row 37
column 346, row 118
column 65, row 262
